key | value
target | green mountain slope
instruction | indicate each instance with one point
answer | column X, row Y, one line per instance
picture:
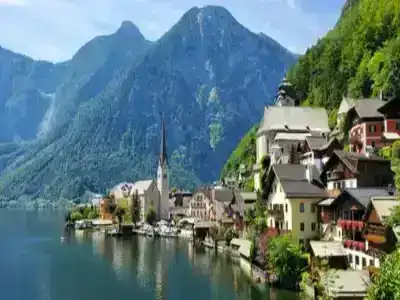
column 359, row 57
column 208, row 75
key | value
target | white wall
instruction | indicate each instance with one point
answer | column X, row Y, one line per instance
column 261, row 147
column 353, row 254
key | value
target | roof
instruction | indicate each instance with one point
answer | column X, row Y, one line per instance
column 291, row 136
column 345, row 105
column 384, row 207
column 364, row 195
column 244, row 246
column 327, row 249
column 248, row 196
column 326, row 202
column 346, row 283
column 141, row 186
column 295, row 183
column 316, row 142
column 223, row 195
column 368, row 108
column 294, row 118
column 350, row 159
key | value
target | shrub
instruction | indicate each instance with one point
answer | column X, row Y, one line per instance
column 76, row 216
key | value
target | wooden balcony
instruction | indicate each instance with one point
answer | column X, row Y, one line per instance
column 277, row 213
column 351, row 225
column 354, row 245
column 335, row 175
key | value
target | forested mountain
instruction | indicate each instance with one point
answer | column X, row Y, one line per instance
column 359, row 57
column 208, row 75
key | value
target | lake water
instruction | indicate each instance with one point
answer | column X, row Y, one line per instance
column 36, row 265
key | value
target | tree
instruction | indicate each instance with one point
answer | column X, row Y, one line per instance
column 135, row 207
column 119, row 213
column 229, row 235
column 386, row 284
column 151, row 215
column 285, row 258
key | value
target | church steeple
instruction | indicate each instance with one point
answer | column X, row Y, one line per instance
column 163, row 149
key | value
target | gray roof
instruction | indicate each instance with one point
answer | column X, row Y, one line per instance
column 248, row 196
column 290, row 136
column 368, row 108
column 294, row 171
column 294, row 118
column 295, row 183
column 222, row 195
column 316, row 142
column 364, row 195
column 327, row 249
column 384, row 207
column 346, row 283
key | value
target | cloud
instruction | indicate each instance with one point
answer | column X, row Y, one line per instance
column 55, row 29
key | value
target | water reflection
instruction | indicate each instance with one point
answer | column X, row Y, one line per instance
column 174, row 269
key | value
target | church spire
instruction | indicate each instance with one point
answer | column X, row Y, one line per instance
column 163, row 149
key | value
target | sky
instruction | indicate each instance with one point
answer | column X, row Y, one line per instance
column 54, row 30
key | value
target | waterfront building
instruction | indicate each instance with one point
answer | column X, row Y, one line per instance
column 199, row 204
column 292, row 192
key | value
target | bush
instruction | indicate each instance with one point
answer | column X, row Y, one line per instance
column 76, row 216
column 151, row 216
column 92, row 215
column 229, row 235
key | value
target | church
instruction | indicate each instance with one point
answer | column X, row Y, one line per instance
column 152, row 194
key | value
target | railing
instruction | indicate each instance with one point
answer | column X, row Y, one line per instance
column 355, row 245
column 277, row 213
column 350, row 224
column 335, row 175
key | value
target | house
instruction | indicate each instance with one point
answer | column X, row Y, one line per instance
column 341, row 217
column 227, row 208
column 199, row 204
column 317, row 150
column 249, row 200
column 333, row 252
column 356, row 170
column 286, row 124
column 179, row 203
column 149, row 197
column 373, row 122
column 345, row 284
column 380, row 238
column 292, row 192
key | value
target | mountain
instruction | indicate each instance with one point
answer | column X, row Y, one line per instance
column 359, row 57
column 208, row 75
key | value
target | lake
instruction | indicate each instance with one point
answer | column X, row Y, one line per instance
column 36, row 265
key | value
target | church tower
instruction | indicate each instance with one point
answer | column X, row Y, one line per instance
column 286, row 94
column 162, row 177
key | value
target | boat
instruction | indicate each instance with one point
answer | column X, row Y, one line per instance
column 150, row 233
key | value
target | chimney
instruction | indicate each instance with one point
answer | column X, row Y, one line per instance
column 309, row 172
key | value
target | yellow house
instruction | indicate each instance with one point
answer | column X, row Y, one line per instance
column 293, row 191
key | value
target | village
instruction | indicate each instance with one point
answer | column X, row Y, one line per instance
column 331, row 192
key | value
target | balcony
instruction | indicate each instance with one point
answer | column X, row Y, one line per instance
column 327, row 218
column 277, row 213
column 354, row 245
column 335, row 175
column 351, row 225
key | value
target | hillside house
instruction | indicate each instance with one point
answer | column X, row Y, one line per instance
column 292, row 194
column 356, row 170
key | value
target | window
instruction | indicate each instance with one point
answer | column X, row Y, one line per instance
column 357, row 260
column 372, row 143
column 371, row 262
column 312, row 208
column 372, row 128
column 301, row 207
column 350, row 258
column 331, row 229
column 301, row 242
column 301, row 226
column 286, row 208
column 286, row 225
column 271, row 223
column 313, row 226
column 364, row 262
column 397, row 125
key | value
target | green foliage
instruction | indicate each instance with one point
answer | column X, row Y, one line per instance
column 386, row 284
column 76, row 216
column 135, row 208
column 119, row 213
column 396, row 163
column 230, row 234
column 359, row 57
column 151, row 215
column 385, row 152
column 285, row 258
column 244, row 153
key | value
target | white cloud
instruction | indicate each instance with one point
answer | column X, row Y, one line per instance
column 55, row 29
